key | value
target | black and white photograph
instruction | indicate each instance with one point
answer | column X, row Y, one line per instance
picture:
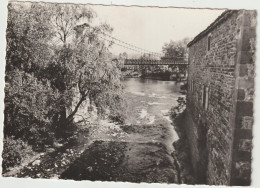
column 135, row 94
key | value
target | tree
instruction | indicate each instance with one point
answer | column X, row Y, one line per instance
column 176, row 48
column 83, row 62
column 124, row 55
column 97, row 76
column 30, row 100
column 29, row 103
column 66, row 17
column 43, row 73
column 28, row 34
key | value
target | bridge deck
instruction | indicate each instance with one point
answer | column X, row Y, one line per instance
column 156, row 62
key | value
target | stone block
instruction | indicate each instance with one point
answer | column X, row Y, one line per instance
column 240, row 94
column 244, row 108
column 241, row 173
column 245, row 145
column 245, row 83
column 240, row 182
column 245, row 45
column 247, row 122
column 247, row 20
column 251, row 70
column 241, row 156
column 244, row 57
column 249, row 95
column 243, row 70
column 243, row 134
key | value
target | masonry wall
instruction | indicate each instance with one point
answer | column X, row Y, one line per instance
column 220, row 128
column 242, row 143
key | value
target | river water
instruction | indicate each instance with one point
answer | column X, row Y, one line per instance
column 148, row 104
column 139, row 150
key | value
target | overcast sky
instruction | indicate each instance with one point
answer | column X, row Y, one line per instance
column 151, row 27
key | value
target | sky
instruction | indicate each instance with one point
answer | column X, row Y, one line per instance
column 150, row 27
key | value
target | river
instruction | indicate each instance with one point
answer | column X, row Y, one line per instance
column 141, row 149
column 148, row 104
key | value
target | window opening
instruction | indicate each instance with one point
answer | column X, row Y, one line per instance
column 205, row 97
column 209, row 42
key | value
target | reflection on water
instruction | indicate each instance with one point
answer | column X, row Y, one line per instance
column 148, row 104
column 151, row 87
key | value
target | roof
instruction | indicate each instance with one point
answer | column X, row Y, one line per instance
column 213, row 25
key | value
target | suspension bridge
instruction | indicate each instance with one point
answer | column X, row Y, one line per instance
column 171, row 61
column 146, row 57
column 141, row 56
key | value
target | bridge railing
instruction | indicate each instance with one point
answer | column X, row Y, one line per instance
column 176, row 61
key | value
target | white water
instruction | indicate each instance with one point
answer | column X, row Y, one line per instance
column 149, row 104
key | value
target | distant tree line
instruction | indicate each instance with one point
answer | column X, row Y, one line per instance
column 172, row 49
column 176, row 48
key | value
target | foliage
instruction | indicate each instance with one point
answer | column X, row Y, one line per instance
column 14, row 152
column 176, row 48
column 123, row 56
column 117, row 116
column 29, row 103
column 65, row 18
column 83, row 63
column 92, row 70
column 50, row 56
column 28, row 32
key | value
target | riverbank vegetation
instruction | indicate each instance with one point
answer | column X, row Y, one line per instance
column 172, row 49
column 54, row 59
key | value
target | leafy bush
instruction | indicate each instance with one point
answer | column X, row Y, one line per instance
column 39, row 137
column 30, row 105
column 117, row 117
column 14, row 152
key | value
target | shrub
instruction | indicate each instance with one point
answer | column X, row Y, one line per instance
column 29, row 106
column 117, row 117
column 14, row 152
column 39, row 137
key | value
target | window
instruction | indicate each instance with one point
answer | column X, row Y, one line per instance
column 209, row 42
column 205, row 97
column 192, row 85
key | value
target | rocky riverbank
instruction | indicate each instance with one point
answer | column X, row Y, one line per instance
column 182, row 151
column 149, row 147
column 55, row 160
column 109, row 152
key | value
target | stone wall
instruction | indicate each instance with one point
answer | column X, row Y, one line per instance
column 242, row 143
column 220, row 99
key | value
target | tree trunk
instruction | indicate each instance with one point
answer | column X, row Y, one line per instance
column 70, row 117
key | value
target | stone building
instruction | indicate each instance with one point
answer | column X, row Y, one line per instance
column 220, row 99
